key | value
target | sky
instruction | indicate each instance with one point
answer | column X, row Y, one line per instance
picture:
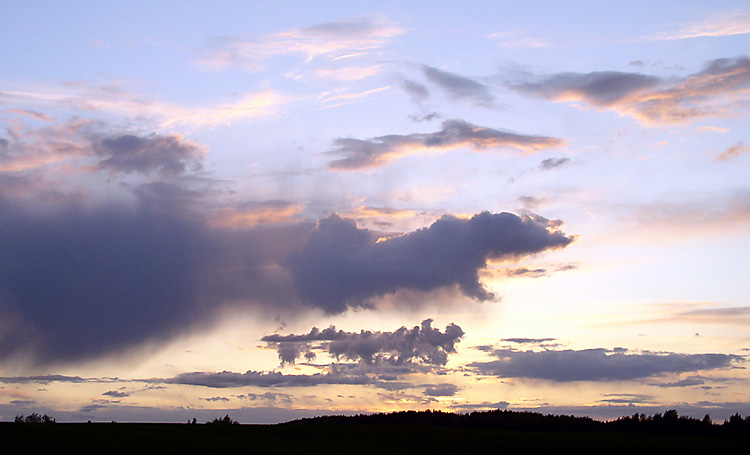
column 277, row 210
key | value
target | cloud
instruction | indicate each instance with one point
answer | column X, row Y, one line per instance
column 330, row 41
column 514, row 40
column 421, row 344
column 460, row 88
column 45, row 379
column 418, row 92
column 523, row 271
column 528, row 340
column 551, row 163
column 733, row 152
column 688, row 382
column 128, row 274
column 342, row 265
column 718, row 90
column 596, row 364
column 116, row 394
column 726, row 23
column 228, row 379
column 361, row 154
column 165, row 154
column 440, row 390
column 88, row 97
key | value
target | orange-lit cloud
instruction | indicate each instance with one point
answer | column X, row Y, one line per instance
column 259, row 214
column 84, row 96
column 727, row 23
column 361, row 154
column 733, row 152
column 719, row 90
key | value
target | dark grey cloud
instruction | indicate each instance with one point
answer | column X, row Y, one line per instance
column 485, row 405
column 420, row 344
column 342, row 265
column 116, row 394
column 523, row 271
column 596, row 364
column 528, row 340
column 551, row 163
column 418, row 92
column 366, row 153
column 440, row 390
column 269, row 396
column 213, row 399
column 626, row 398
column 687, row 382
column 95, row 146
column 600, row 88
column 716, row 90
column 155, row 153
column 460, row 88
column 45, row 379
column 228, row 379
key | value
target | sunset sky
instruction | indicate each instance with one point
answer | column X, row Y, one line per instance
column 276, row 210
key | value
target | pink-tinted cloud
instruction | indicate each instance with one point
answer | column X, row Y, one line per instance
column 366, row 153
column 721, row 89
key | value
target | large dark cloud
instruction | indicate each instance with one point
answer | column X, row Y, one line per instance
column 378, row 151
column 342, row 265
column 459, row 87
column 420, row 344
column 596, row 364
column 83, row 281
column 717, row 90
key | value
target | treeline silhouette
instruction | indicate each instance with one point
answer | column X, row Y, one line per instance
column 669, row 422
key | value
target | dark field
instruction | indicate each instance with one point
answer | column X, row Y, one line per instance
column 132, row 438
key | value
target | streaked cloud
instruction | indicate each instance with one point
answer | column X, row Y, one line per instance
column 331, row 41
column 551, row 163
column 716, row 91
column 727, row 23
column 516, row 40
column 378, row 151
column 87, row 97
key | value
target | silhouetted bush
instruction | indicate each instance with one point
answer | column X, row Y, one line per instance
column 226, row 420
column 34, row 418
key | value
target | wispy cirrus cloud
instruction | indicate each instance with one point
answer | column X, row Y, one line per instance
column 721, row 89
column 516, row 40
column 727, row 23
column 330, row 41
column 366, row 153
column 87, row 97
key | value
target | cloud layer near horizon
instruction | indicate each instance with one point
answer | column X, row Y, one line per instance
column 596, row 364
